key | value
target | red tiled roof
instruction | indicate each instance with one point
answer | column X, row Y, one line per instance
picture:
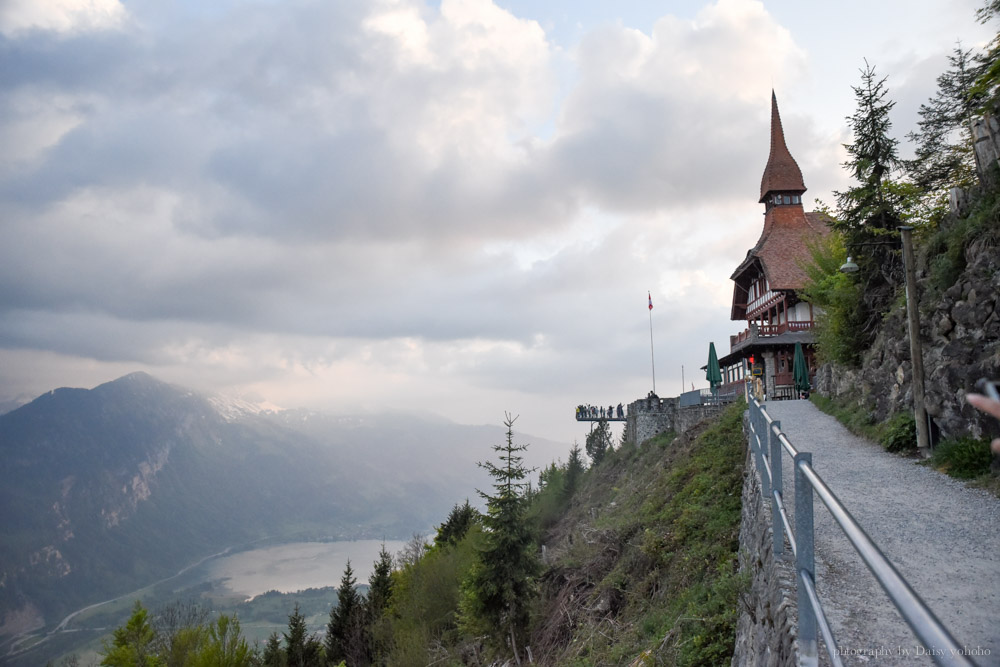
column 782, row 173
column 783, row 246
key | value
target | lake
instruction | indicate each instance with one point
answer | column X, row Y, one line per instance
column 297, row 565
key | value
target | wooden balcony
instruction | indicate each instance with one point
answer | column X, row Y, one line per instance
column 764, row 330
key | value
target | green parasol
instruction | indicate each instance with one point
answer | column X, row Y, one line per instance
column 800, row 370
column 712, row 372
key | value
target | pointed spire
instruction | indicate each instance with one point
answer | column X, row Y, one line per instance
column 782, row 173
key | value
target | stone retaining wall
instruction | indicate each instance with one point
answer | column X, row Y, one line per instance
column 767, row 631
column 648, row 417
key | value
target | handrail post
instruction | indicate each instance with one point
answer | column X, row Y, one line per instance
column 805, row 561
column 774, row 458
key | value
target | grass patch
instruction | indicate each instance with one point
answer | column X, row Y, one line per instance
column 897, row 434
column 946, row 248
column 964, row 458
column 648, row 564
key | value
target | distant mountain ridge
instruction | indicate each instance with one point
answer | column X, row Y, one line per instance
column 108, row 489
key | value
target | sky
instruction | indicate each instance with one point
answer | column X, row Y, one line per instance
column 454, row 208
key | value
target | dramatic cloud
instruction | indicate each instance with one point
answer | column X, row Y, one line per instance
column 395, row 203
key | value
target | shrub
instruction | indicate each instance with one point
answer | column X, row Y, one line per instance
column 899, row 434
column 964, row 458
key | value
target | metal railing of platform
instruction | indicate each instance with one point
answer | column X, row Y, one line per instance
column 767, row 442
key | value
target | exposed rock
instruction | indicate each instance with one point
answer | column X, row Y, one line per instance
column 960, row 334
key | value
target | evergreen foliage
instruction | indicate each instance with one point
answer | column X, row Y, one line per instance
column 836, row 296
column 380, row 591
column 500, row 587
column 574, row 471
column 301, row 648
column 273, row 655
column 224, row 646
column 869, row 213
column 423, row 612
column 185, row 640
column 987, row 85
column 944, row 155
column 345, row 633
column 460, row 519
column 134, row 643
column 380, row 584
column 598, row 442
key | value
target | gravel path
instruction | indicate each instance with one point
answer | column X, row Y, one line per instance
column 943, row 537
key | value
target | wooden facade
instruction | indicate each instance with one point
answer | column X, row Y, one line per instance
column 766, row 282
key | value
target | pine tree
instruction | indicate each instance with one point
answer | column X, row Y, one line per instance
column 133, row 644
column 944, row 155
column 986, row 89
column 500, row 587
column 870, row 212
column 273, row 655
column 380, row 585
column 301, row 649
column 460, row 519
column 598, row 442
column 574, row 471
column 345, row 638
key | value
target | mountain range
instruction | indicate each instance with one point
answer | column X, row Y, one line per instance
column 105, row 490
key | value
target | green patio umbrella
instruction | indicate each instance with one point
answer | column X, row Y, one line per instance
column 800, row 370
column 712, row 372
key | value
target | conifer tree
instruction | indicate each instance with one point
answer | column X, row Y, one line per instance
column 574, row 471
column 500, row 587
column 986, row 89
column 380, row 585
column 273, row 655
column 944, row 155
column 460, row 519
column 133, row 644
column 301, row 649
column 871, row 210
column 598, row 442
column 345, row 632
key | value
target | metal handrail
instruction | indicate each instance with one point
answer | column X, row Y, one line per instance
column 767, row 442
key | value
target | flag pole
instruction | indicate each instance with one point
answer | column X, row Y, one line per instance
column 652, row 362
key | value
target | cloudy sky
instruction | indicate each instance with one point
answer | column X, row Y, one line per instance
column 455, row 207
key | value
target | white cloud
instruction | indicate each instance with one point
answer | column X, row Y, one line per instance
column 60, row 16
column 393, row 202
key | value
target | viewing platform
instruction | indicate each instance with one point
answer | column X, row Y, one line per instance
column 589, row 413
column 601, row 419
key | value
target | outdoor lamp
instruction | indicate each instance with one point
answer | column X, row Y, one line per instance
column 913, row 329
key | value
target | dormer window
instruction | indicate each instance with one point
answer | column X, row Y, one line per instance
column 785, row 200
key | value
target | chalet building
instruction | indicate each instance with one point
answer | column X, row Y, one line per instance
column 764, row 293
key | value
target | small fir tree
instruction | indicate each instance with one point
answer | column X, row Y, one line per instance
column 380, row 585
column 943, row 155
column 133, row 644
column 500, row 586
column 273, row 655
column 301, row 649
column 871, row 210
column 574, row 471
column 345, row 632
column 598, row 442
column 460, row 519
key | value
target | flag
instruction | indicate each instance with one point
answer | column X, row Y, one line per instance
column 650, row 300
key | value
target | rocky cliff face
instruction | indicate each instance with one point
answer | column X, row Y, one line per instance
column 960, row 333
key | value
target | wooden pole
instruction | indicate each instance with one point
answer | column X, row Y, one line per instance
column 916, row 351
